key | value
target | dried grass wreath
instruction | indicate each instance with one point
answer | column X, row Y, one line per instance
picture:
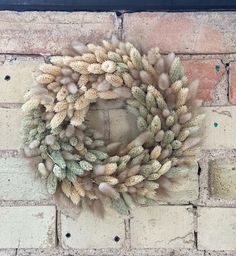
column 75, row 159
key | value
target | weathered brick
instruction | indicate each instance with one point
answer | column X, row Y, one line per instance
column 191, row 32
column 27, row 227
column 219, row 126
column 208, row 72
column 19, row 179
column 216, row 228
column 10, row 128
column 123, row 127
column 16, row 76
column 222, row 178
column 50, row 32
column 9, row 252
column 162, row 227
column 232, row 83
column 88, row 231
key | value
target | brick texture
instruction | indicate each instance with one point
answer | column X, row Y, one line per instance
column 19, row 179
column 27, row 227
column 50, row 32
column 16, row 76
column 219, row 128
column 222, row 178
column 182, row 32
column 209, row 74
column 216, row 228
column 162, row 227
column 90, row 232
column 232, row 83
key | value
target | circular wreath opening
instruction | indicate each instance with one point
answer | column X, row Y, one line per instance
column 76, row 160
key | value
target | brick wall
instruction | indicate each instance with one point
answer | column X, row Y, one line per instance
column 200, row 216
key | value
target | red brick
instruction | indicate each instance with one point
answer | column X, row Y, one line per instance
column 208, row 72
column 210, row 32
column 232, row 83
column 50, row 32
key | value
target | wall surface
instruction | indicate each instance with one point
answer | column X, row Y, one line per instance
column 200, row 217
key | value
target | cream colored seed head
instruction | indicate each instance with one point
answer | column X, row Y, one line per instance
column 30, row 104
column 181, row 97
column 81, row 102
column 134, row 180
column 79, row 188
column 50, row 69
column 110, row 168
column 57, row 60
column 101, row 56
column 66, row 187
column 114, row 80
column 95, row 68
column 108, row 95
column 45, row 79
column 108, row 179
column 136, row 58
column 54, row 85
column 57, row 119
column 89, row 57
column 74, row 196
column 90, row 94
column 80, row 66
column 176, row 86
column 83, row 80
column 109, row 66
column 155, row 153
column 61, row 105
column 128, row 79
column 62, row 93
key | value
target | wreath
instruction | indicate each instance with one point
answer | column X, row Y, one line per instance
column 75, row 158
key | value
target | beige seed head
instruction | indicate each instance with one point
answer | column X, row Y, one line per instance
column 155, row 153
column 57, row 119
column 80, row 66
column 83, row 80
column 54, row 86
column 50, row 69
column 110, row 168
column 66, row 187
column 107, row 179
column 57, row 60
column 74, row 196
column 128, row 79
column 30, row 104
column 136, row 58
column 79, row 188
column 45, row 79
column 61, row 105
column 78, row 117
column 89, row 57
column 109, row 66
column 176, row 86
column 108, row 95
column 134, row 180
column 101, row 56
column 62, row 93
column 91, row 94
column 181, row 97
column 114, row 80
column 95, row 68
column 81, row 103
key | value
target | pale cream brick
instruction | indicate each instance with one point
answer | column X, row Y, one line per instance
column 216, row 228
column 123, row 126
column 51, row 32
column 17, row 77
column 10, row 128
column 19, row 179
column 162, row 227
column 220, row 127
column 27, row 227
column 222, row 178
column 88, row 231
